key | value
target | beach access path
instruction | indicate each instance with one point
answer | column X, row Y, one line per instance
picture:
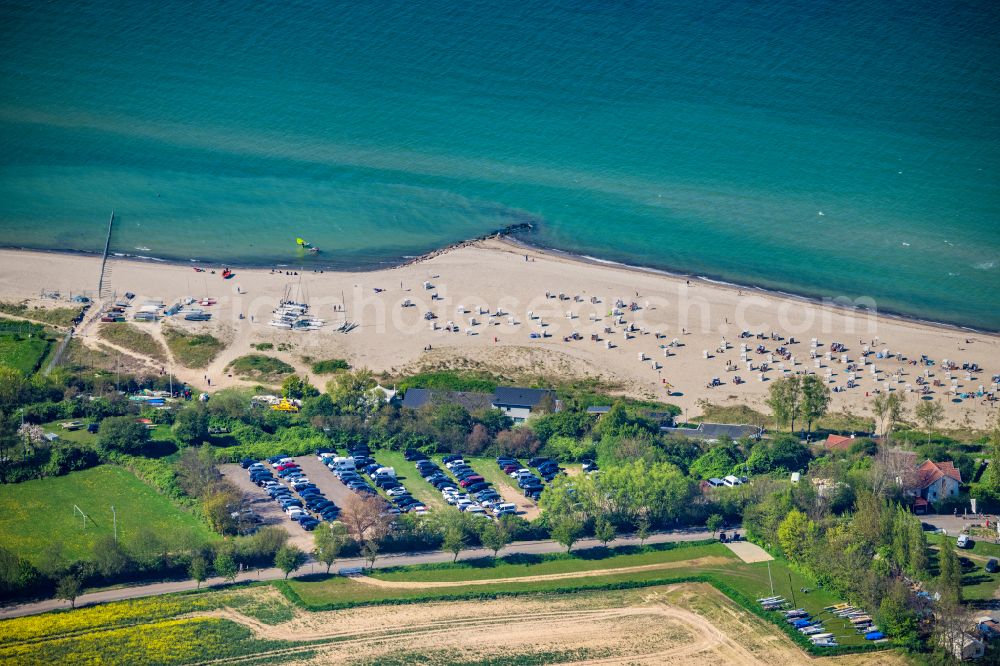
column 312, row 567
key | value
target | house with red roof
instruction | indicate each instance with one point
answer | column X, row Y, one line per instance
column 934, row 481
column 838, row 442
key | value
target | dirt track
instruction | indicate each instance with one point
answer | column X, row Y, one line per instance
column 676, row 624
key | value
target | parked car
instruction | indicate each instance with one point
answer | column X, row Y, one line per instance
column 470, row 480
column 535, row 462
column 964, row 541
column 992, row 566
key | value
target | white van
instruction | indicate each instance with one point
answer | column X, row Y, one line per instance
column 732, row 481
column 386, row 470
column 963, row 541
column 342, row 464
column 508, row 507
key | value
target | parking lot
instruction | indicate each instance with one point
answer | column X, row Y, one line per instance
column 267, row 509
column 324, row 479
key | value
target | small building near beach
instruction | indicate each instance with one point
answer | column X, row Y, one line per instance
column 838, row 442
column 935, row 481
column 714, row 432
column 519, row 403
column 415, row 398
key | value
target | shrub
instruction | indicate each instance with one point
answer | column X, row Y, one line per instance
column 330, row 366
column 260, row 367
column 121, row 434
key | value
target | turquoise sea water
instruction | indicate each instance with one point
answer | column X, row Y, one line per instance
column 704, row 137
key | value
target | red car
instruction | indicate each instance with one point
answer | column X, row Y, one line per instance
column 285, row 466
column 475, row 478
column 507, row 469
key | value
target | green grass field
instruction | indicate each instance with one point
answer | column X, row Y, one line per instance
column 35, row 513
column 487, row 468
column 556, row 563
column 22, row 353
column 79, row 436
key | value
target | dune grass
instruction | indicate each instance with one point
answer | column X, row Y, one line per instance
column 133, row 339
column 260, row 367
column 192, row 350
column 56, row 316
column 329, row 366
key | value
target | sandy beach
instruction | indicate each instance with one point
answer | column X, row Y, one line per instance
column 523, row 311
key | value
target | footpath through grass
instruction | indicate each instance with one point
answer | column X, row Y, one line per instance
column 34, row 514
column 134, row 339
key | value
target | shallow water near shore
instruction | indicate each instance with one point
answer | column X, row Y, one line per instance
column 845, row 152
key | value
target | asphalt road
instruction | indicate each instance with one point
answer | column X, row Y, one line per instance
column 531, row 547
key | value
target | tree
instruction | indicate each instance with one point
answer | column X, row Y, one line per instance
column 785, row 399
column 289, row 558
column 815, row 399
column 355, row 393
column 12, row 386
column 370, row 552
column 916, row 548
column 714, row 522
column 796, row 534
column 363, row 517
column 567, row 530
column 121, row 434
column 110, row 558
column 477, row 439
column 191, row 425
column 888, row 407
column 989, row 484
column 225, row 566
column 197, row 474
column 929, row 412
column 454, row 541
column 218, row 508
column 717, row 462
column 198, row 569
column 897, row 618
column 642, row 530
column 69, row 588
column 297, row 388
column 329, row 543
column 604, row 531
column 949, row 572
column 495, row 535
